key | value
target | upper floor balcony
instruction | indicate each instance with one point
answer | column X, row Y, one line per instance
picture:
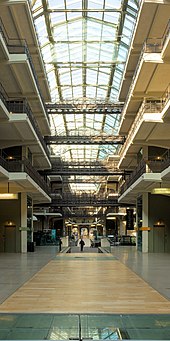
column 152, row 66
column 23, row 177
column 18, row 21
column 150, row 127
column 19, row 127
column 147, row 175
column 18, row 75
column 152, row 21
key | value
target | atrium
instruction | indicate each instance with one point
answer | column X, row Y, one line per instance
column 85, row 121
column 85, row 159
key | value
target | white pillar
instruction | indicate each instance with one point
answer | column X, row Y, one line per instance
column 23, row 222
column 145, row 222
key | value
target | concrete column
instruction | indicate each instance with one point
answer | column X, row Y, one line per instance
column 23, row 222
column 145, row 222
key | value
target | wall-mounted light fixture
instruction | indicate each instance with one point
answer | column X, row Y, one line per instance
column 159, row 223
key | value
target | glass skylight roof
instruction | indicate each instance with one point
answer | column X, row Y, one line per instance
column 84, row 45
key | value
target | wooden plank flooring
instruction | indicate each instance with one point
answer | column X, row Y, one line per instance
column 86, row 283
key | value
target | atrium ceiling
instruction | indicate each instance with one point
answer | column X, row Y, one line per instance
column 84, row 45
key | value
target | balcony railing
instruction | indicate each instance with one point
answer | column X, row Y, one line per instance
column 151, row 45
column 25, row 166
column 3, row 95
column 154, row 106
column 145, row 166
column 19, row 46
column 20, row 107
column 3, row 163
column 140, row 169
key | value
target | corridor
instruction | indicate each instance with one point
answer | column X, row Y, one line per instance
column 50, row 296
column 86, row 283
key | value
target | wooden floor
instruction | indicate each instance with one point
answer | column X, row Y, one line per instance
column 86, row 283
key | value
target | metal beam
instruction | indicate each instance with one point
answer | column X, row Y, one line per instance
column 79, row 107
column 81, row 10
column 83, row 202
column 82, row 171
column 85, row 140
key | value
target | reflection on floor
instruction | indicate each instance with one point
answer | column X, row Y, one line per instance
column 73, row 274
column 94, row 327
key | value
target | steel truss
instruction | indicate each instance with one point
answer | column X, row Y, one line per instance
column 111, row 140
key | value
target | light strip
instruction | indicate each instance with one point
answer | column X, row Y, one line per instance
column 161, row 190
column 8, row 196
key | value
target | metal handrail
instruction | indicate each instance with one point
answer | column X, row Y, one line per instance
column 146, row 106
column 3, row 95
column 145, row 166
column 25, row 166
column 3, row 163
column 140, row 169
column 20, row 107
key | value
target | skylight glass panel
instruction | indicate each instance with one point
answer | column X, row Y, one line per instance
column 77, row 92
column 51, row 78
column 57, row 18
column 94, row 30
column 73, row 15
column 54, row 95
column 60, row 32
column 101, row 93
column 122, row 54
column 97, row 126
column 81, row 51
column 70, row 118
column 63, row 71
column 53, row 4
column 37, row 4
column 98, row 4
column 59, row 120
column 40, row 25
column 75, row 52
column 93, row 52
column 67, row 93
column 75, row 30
column 98, row 117
column 46, row 53
column 91, row 77
column 103, row 78
column 65, row 78
column 73, row 4
column 108, row 33
column 104, row 70
column 109, row 4
column 106, row 53
column 61, row 53
column 90, row 91
column 114, row 95
column 112, row 17
column 134, row 3
column 76, row 76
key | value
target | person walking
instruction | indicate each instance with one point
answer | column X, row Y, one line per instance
column 82, row 243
